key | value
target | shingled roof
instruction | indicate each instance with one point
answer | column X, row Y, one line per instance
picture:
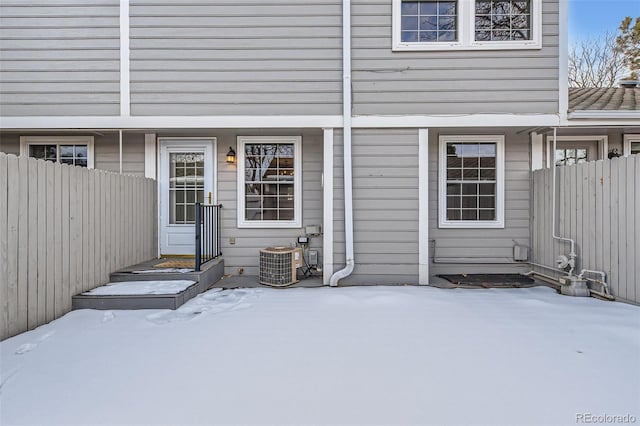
column 604, row 99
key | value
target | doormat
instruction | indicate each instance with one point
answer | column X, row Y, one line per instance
column 489, row 280
column 186, row 263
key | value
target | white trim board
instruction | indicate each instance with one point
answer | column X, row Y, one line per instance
column 171, row 122
column 461, row 120
column 423, row 206
column 604, row 115
column 125, row 83
column 563, row 59
column 272, row 122
column 327, row 207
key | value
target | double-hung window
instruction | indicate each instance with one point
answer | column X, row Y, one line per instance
column 471, row 179
column 269, row 182
column 467, row 24
column 72, row 150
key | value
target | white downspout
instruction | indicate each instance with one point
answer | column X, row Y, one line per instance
column 346, row 112
column 572, row 253
column 120, row 149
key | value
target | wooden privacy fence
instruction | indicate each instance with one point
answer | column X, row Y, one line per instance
column 598, row 205
column 63, row 229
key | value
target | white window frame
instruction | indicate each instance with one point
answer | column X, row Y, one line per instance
column 442, row 182
column 466, row 32
column 26, row 141
column 297, row 182
column 627, row 140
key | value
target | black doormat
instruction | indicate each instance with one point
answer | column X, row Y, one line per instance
column 489, row 280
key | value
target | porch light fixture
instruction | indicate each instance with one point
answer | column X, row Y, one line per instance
column 231, row 156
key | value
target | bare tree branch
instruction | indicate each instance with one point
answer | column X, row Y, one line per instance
column 596, row 62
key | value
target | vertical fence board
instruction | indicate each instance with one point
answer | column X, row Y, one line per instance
column 13, row 236
column 4, row 241
column 606, row 218
column 622, row 225
column 86, row 231
column 599, row 182
column 58, row 241
column 41, row 207
column 630, row 224
column 636, row 219
column 91, row 231
column 615, row 240
column 23, row 242
column 32, row 250
column 66, row 252
column 51, row 249
column 590, row 188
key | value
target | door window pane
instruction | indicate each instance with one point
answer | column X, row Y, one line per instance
column 186, row 185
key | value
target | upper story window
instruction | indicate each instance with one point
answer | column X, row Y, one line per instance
column 467, row 24
column 72, row 150
column 269, row 182
column 429, row 21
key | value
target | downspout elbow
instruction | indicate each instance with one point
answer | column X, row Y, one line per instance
column 342, row 273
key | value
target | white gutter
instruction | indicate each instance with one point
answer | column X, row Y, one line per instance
column 346, row 112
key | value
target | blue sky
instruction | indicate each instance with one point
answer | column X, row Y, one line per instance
column 593, row 17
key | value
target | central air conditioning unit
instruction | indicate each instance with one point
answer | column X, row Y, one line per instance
column 278, row 265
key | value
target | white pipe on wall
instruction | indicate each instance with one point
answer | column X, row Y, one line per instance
column 572, row 253
column 120, row 149
column 346, row 112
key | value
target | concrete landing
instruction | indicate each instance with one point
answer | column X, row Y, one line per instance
column 252, row 281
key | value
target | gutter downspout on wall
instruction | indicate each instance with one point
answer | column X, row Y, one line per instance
column 346, row 112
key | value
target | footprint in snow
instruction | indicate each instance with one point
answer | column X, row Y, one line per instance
column 108, row 316
column 28, row 347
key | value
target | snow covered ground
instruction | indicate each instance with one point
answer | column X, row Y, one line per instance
column 359, row 355
column 125, row 288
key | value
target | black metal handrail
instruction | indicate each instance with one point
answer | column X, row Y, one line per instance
column 208, row 241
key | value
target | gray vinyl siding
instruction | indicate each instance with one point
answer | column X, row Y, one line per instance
column 10, row 143
column 214, row 57
column 453, row 82
column 385, row 204
column 106, row 150
column 484, row 250
column 59, row 58
column 248, row 241
column 107, row 154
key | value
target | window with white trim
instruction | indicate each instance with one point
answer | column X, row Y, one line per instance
column 72, row 150
column 467, row 24
column 471, row 178
column 269, row 182
column 631, row 144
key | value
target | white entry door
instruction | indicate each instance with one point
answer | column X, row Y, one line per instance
column 187, row 170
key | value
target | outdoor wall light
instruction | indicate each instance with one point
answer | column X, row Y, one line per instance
column 231, row 156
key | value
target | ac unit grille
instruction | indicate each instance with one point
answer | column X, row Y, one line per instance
column 278, row 266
